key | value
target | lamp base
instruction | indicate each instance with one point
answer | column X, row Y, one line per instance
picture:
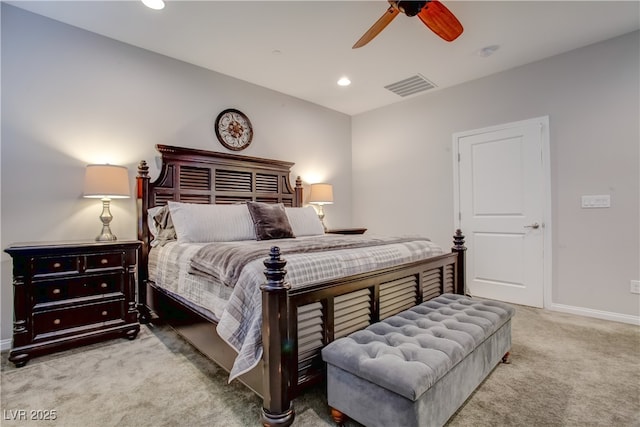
column 321, row 216
column 106, row 235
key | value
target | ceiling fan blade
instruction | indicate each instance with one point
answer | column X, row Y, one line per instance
column 440, row 20
column 380, row 24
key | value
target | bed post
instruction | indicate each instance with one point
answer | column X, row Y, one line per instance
column 277, row 407
column 142, row 204
column 299, row 192
column 460, row 249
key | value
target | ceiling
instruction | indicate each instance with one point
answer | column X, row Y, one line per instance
column 301, row 48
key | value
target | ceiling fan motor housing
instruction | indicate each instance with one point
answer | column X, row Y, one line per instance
column 410, row 8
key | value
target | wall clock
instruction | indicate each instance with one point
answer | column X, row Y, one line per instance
column 233, row 129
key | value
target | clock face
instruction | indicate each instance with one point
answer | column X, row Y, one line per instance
column 233, row 129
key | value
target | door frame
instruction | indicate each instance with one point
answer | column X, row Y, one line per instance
column 543, row 122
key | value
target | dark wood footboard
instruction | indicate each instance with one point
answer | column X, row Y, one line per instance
column 298, row 323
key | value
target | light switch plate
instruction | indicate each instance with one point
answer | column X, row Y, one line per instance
column 597, row 201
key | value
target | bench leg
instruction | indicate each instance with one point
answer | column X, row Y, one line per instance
column 338, row 417
column 507, row 357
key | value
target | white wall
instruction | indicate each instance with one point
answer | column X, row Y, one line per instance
column 402, row 157
column 70, row 97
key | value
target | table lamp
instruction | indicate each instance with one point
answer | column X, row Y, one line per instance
column 106, row 182
column 321, row 194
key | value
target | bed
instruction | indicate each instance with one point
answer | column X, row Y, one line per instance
column 292, row 320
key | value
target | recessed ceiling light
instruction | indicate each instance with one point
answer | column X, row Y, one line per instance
column 488, row 50
column 344, row 81
column 154, row 4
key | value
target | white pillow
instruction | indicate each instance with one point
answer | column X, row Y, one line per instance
column 198, row 223
column 304, row 221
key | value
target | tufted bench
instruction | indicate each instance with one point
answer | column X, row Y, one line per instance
column 418, row 367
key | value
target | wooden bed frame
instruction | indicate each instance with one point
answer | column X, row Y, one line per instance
column 291, row 352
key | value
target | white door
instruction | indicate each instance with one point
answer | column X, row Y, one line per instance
column 503, row 206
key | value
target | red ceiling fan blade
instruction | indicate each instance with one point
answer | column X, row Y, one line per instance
column 440, row 20
column 380, row 24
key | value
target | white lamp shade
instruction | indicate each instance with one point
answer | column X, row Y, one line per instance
column 321, row 194
column 106, row 182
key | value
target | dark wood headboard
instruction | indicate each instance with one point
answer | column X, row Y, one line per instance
column 198, row 176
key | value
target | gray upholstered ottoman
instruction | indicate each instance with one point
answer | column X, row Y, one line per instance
column 419, row 366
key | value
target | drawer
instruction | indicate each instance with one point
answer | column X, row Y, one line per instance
column 46, row 291
column 85, row 315
column 55, row 265
column 104, row 260
column 71, row 293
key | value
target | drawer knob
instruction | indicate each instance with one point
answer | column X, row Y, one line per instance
column 104, row 261
column 57, row 265
column 56, row 291
column 56, row 322
column 103, row 285
column 104, row 313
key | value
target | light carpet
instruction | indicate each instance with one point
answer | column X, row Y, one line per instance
column 565, row 370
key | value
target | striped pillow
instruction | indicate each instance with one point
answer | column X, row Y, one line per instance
column 198, row 223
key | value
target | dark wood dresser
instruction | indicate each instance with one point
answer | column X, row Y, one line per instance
column 67, row 294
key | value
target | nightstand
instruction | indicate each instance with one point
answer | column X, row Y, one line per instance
column 71, row 293
column 347, row 231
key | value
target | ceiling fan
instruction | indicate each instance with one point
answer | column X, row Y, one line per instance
column 431, row 12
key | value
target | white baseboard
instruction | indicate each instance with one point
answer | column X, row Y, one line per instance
column 5, row 344
column 598, row 314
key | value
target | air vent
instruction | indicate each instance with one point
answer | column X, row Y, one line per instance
column 410, row 86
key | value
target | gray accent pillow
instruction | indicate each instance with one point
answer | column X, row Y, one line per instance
column 270, row 221
column 165, row 230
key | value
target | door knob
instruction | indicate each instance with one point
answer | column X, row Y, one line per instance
column 535, row 226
